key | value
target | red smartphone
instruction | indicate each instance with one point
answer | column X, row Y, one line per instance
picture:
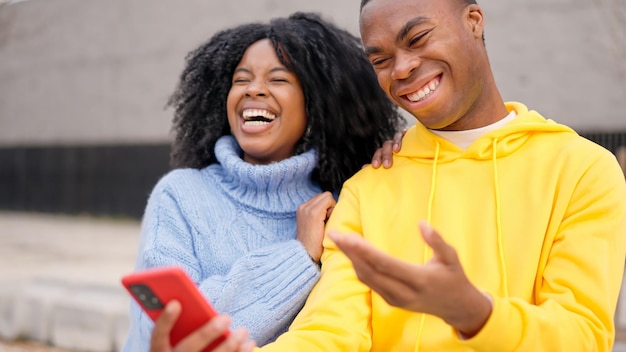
column 154, row 288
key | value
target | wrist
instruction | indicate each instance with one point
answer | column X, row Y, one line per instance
column 316, row 262
column 474, row 319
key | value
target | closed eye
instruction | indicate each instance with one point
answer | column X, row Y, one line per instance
column 379, row 61
column 415, row 40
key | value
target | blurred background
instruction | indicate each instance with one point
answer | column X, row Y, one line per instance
column 83, row 84
column 84, row 135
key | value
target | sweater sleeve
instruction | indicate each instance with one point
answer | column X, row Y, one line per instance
column 263, row 290
column 577, row 293
column 337, row 313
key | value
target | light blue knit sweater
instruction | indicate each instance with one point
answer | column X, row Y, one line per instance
column 232, row 227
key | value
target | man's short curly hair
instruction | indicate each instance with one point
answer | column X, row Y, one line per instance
column 349, row 116
column 468, row 2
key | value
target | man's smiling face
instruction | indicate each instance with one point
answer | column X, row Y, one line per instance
column 428, row 56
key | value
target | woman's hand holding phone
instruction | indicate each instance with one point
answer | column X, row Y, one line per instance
column 237, row 340
column 184, row 319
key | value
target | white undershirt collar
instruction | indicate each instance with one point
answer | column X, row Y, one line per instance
column 464, row 139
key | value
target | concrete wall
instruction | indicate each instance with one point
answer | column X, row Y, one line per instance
column 100, row 71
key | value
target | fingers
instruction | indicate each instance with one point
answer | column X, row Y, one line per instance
column 387, row 154
column 358, row 251
column 248, row 346
column 382, row 273
column 397, row 140
column 322, row 200
column 351, row 246
column 205, row 335
column 347, row 242
column 160, row 338
column 320, row 205
column 327, row 201
column 311, row 218
column 441, row 250
column 237, row 342
column 384, row 155
column 364, row 254
column 390, row 147
column 329, row 212
column 376, row 158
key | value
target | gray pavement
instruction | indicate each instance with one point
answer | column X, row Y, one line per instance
column 27, row 346
column 60, row 283
column 60, row 280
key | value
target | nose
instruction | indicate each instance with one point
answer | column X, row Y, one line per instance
column 404, row 64
column 256, row 88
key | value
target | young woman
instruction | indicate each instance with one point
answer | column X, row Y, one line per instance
column 270, row 120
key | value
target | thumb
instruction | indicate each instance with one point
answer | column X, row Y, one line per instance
column 441, row 250
column 160, row 339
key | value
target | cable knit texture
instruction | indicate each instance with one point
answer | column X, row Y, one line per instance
column 232, row 227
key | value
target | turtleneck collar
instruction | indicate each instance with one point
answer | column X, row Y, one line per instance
column 276, row 188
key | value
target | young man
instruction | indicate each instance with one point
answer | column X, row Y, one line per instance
column 522, row 223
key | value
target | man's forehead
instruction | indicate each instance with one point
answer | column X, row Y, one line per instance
column 375, row 8
column 397, row 13
column 369, row 6
column 394, row 12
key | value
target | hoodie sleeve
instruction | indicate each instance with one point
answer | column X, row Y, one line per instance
column 263, row 290
column 577, row 291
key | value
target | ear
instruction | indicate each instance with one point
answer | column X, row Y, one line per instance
column 475, row 20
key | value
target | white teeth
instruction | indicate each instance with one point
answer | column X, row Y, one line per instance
column 248, row 113
column 255, row 123
column 424, row 92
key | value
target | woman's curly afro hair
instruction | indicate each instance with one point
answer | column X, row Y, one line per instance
column 348, row 115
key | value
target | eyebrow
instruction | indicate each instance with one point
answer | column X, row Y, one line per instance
column 404, row 31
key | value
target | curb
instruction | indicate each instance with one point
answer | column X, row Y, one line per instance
column 89, row 318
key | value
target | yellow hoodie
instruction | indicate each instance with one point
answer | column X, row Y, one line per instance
column 537, row 215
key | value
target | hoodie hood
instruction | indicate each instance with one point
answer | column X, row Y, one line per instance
column 420, row 143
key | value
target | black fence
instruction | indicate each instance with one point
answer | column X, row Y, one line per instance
column 95, row 180
column 609, row 140
column 107, row 180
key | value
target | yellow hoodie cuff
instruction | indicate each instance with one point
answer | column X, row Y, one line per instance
column 503, row 329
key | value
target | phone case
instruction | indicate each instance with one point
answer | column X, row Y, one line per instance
column 152, row 289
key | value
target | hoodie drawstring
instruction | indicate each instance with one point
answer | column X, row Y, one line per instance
column 431, row 200
column 499, row 219
column 433, row 187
